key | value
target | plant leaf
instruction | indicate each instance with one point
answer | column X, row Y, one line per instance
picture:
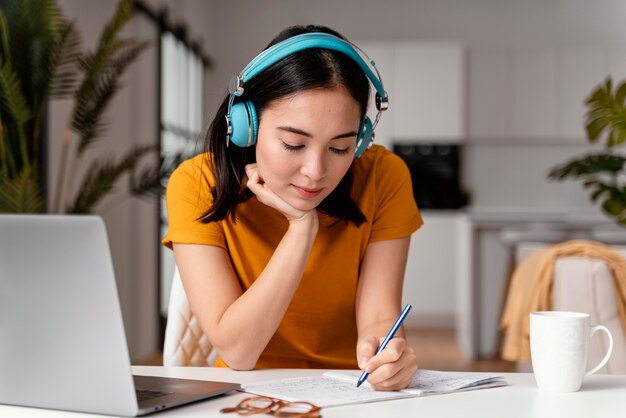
column 606, row 113
column 149, row 182
column 93, row 99
column 64, row 55
column 102, row 177
column 21, row 193
column 588, row 165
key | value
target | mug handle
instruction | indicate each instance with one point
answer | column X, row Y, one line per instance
column 609, row 351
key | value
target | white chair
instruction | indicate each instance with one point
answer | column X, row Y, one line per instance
column 583, row 284
column 185, row 342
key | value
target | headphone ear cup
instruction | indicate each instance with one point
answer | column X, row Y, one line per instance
column 254, row 122
column 240, row 125
column 364, row 137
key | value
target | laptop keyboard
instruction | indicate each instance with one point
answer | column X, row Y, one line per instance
column 145, row 394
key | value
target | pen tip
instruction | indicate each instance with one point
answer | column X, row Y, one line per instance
column 359, row 383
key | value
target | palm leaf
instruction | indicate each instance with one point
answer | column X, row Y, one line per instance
column 33, row 26
column 21, row 193
column 93, row 99
column 102, row 177
column 14, row 114
column 150, row 182
column 64, row 55
column 93, row 64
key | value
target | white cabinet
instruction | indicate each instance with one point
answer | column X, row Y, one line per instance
column 426, row 87
column 430, row 281
column 582, row 71
column 490, row 110
column 617, row 65
column 535, row 95
column 430, row 91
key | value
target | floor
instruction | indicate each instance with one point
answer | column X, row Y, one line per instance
column 436, row 350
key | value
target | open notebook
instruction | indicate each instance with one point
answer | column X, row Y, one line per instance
column 335, row 388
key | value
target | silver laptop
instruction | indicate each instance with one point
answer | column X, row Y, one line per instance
column 62, row 341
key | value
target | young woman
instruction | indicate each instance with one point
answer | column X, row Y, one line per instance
column 292, row 251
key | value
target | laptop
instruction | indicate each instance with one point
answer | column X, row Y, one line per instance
column 62, row 341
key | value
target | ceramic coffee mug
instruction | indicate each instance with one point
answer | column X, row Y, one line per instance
column 559, row 343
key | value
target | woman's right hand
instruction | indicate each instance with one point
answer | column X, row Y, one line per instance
column 266, row 196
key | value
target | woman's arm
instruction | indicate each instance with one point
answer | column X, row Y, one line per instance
column 240, row 324
column 378, row 300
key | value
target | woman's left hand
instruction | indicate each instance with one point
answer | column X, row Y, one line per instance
column 392, row 368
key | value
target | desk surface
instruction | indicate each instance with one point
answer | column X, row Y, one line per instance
column 600, row 396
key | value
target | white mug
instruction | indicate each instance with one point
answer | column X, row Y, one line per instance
column 559, row 343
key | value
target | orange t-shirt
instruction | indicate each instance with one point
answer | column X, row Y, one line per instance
column 319, row 328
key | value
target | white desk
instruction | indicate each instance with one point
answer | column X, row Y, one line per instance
column 601, row 396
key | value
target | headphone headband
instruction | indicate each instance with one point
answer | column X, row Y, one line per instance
column 298, row 43
column 245, row 135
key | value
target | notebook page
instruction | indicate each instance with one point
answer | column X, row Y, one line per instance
column 322, row 391
column 431, row 381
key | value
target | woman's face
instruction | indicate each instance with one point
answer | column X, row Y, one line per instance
column 306, row 143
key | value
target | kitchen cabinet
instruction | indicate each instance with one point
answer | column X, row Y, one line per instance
column 433, row 267
column 430, row 92
column 535, row 95
column 490, row 87
column 617, row 65
column 426, row 83
column 582, row 71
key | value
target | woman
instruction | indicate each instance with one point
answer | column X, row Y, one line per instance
column 292, row 251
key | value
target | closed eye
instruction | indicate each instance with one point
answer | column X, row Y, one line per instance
column 290, row 147
column 340, row 151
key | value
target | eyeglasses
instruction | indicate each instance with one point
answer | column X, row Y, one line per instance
column 276, row 407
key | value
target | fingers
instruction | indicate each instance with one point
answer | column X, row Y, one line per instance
column 252, row 178
column 365, row 350
column 256, row 184
column 393, row 367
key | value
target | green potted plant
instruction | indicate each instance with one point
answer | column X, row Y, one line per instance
column 41, row 60
column 603, row 172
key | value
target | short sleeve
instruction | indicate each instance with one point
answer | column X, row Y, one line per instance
column 396, row 214
column 188, row 197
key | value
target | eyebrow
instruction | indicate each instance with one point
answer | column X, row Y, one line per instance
column 308, row 135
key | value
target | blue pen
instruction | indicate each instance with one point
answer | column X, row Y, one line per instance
column 389, row 336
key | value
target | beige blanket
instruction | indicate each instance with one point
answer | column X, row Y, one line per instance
column 531, row 290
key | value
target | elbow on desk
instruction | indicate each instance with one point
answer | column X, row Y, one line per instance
column 238, row 359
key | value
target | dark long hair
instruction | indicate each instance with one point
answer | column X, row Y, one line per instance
column 304, row 70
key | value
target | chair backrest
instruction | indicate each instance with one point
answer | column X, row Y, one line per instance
column 586, row 285
column 185, row 342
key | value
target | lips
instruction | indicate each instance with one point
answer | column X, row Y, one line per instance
column 306, row 192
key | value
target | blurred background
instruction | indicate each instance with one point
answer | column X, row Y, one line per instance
column 486, row 97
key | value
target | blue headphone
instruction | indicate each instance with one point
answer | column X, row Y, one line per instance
column 242, row 121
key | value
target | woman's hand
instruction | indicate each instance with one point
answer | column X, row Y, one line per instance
column 256, row 184
column 392, row 368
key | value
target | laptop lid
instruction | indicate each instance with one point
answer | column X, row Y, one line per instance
column 62, row 341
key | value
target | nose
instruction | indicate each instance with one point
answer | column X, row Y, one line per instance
column 314, row 166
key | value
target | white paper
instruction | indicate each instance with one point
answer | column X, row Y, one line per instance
column 339, row 387
column 321, row 390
